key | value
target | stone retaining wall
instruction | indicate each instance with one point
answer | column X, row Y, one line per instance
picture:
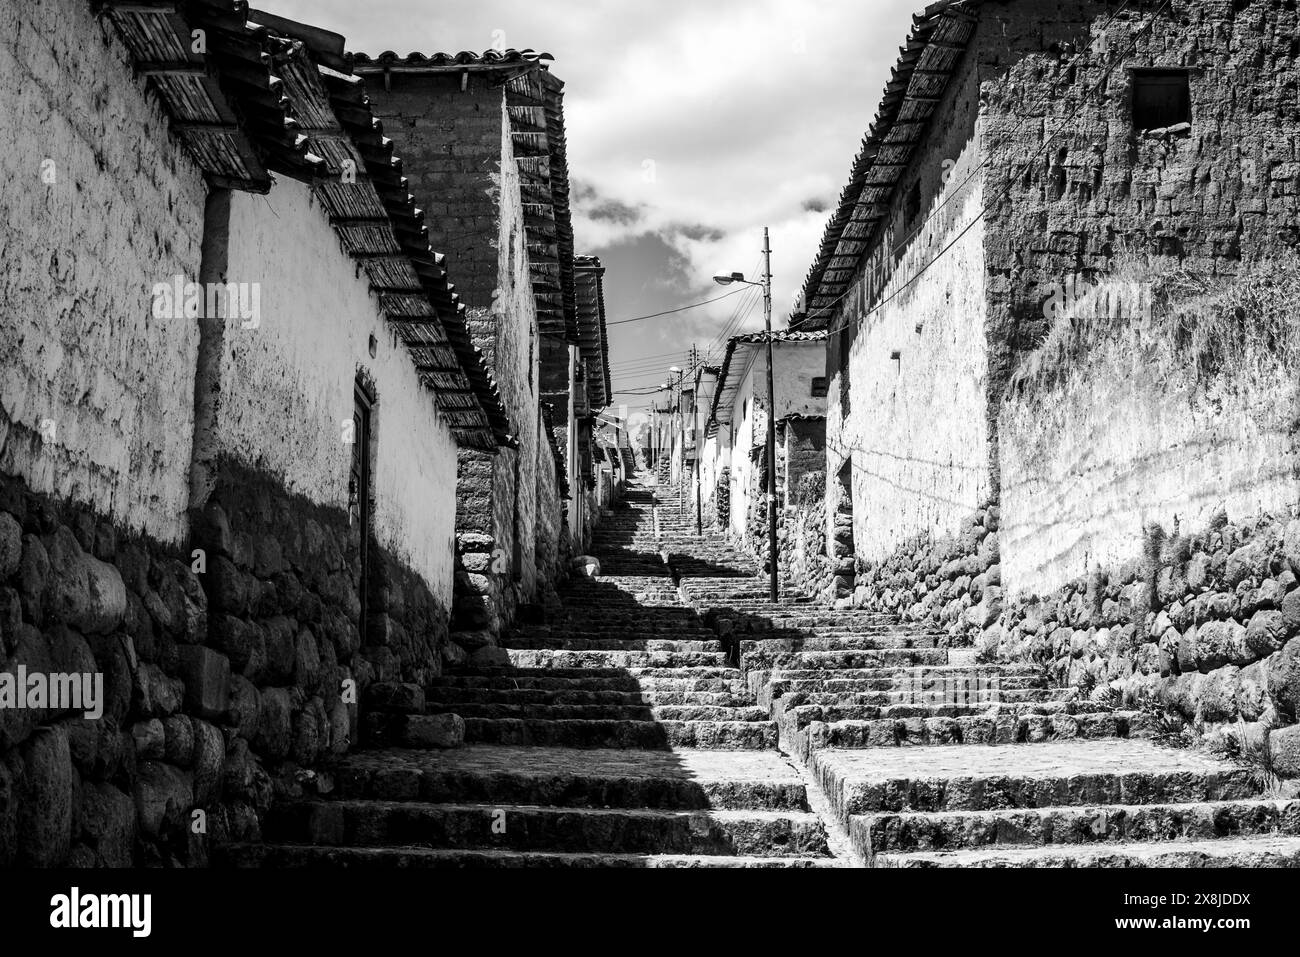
column 1203, row 627
column 228, row 670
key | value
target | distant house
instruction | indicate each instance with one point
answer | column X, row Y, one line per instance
column 737, row 422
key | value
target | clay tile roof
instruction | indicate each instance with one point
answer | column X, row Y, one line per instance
column 228, row 106
column 917, row 82
column 593, row 340
column 465, row 58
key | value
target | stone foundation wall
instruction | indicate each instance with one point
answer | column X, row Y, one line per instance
column 1204, row 627
column 806, row 565
column 229, row 669
column 951, row 583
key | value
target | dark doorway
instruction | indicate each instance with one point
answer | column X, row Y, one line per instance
column 359, row 486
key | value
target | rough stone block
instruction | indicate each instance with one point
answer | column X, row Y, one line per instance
column 155, row 695
column 108, row 824
column 395, row 697
column 209, row 755
column 163, row 797
column 433, row 731
column 149, row 739
column 11, row 545
column 274, row 735
column 178, row 743
column 206, row 674
column 1284, row 680
column 44, row 820
column 1284, row 749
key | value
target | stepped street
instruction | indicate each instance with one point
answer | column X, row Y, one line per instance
column 667, row 715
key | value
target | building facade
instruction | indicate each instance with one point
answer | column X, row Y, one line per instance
column 487, row 159
column 737, row 423
column 232, row 405
column 1063, row 221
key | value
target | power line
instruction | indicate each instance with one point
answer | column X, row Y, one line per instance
column 670, row 312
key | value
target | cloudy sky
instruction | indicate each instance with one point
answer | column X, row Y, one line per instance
column 691, row 126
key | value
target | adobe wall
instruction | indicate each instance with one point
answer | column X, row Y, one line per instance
column 78, row 334
column 1225, row 190
column 913, row 418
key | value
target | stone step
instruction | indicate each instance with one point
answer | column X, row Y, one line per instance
column 300, row 855
column 685, row 779
column 655, row 735
column 847, row 660
column 894, row 672
column 802, row 715
column 760, row 650
column 614, row 643
column 727, row 681
column 1052, row 774
column 1025, row 686
column 981, row 729
column 455, row 696
column 1094, row 824
column 1258, row 851
column 598, row 712
column 546, row 828
column 1052, row 699
column 594, row 673
column 615, row 659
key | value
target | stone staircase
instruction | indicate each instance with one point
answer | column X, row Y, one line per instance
column 641, row 727
column 619, row 736
column 929, row 759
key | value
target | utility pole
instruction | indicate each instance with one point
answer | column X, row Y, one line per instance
column 771, row 420
column 727, row 280
column 699, row 437
column 681, row 425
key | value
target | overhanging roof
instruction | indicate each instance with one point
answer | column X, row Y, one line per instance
column 592, row 334
column 287, row 103
column 916, row 86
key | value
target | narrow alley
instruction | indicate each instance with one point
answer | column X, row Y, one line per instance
column 624, row 734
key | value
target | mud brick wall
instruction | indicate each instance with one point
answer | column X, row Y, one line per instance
column 100, row 206
column 451, row 154
column 1224, row 190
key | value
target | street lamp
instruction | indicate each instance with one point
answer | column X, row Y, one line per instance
column 766, row 286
